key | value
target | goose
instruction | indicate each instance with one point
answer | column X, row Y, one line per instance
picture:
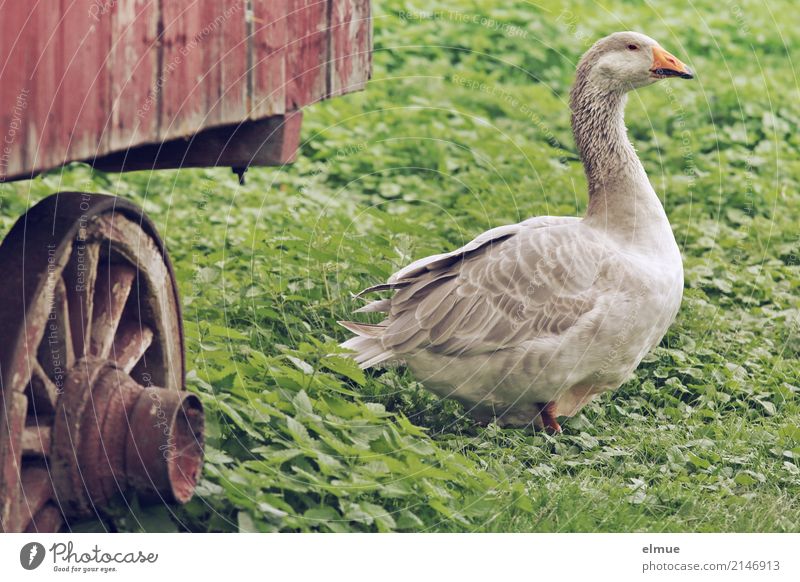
column 529, row 322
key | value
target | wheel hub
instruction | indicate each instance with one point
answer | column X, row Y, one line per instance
column 112, row 435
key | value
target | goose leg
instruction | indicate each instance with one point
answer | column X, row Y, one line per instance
column 548, row 412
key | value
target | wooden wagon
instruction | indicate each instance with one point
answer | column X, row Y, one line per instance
column 92, row 364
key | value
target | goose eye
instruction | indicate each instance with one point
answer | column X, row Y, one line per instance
column 632, row 47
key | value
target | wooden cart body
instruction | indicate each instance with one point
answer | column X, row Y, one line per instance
column 135, row 84
column 125, row 85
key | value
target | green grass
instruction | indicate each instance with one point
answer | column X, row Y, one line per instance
column 464, row 127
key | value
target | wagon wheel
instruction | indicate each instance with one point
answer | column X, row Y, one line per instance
column 91, row 366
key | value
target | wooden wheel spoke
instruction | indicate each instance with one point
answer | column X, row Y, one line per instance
column 12, row 424
column 37, row 490
column 48, row 519
column 111, row 293
column 130, row 344
column 80, row 276
column 43, row 391
column 36, row 441
column 55, row 352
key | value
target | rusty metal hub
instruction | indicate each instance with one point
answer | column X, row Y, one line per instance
column 92, row 369
column 124, row 437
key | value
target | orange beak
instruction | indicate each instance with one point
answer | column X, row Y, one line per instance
column 666, row 65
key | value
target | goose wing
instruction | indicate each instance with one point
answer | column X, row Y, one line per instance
column 510, row 285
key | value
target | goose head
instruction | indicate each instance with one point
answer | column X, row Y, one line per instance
column 627, row 60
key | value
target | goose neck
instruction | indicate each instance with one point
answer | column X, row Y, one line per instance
column 620, row 194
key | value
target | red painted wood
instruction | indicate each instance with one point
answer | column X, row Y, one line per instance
column 306, row 52
column 232, row 90
column 180, row 90
column 83, row 97
column 203, row 82
column 133, row 64
column 37, row 54
column 270, row 33
column 80, row 79
column 351, row 46
column 14, row 92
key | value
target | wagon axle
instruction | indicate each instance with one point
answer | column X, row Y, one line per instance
column 112, row 435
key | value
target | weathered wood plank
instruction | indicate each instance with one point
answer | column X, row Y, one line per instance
column 180, row 91
column 16, row 97
column 39, row 51
column 351, row 44
column 207, row 42
column 133, row 65
column 306, row 53
column 270, row 34
column 231, row 92
column 83, row 96
column 82, row 80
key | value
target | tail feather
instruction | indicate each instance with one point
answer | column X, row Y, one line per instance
column 381, row 305
column 364, row 329
column 367, row 344
column 382, row 287
column 369, row 350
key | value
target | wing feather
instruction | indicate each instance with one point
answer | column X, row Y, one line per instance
column 510, row 285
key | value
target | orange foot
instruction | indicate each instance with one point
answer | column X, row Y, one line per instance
column 548, row 412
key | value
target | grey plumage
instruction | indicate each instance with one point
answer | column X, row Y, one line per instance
column 553, row 309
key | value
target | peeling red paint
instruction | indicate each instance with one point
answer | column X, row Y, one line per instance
column 98, row 82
